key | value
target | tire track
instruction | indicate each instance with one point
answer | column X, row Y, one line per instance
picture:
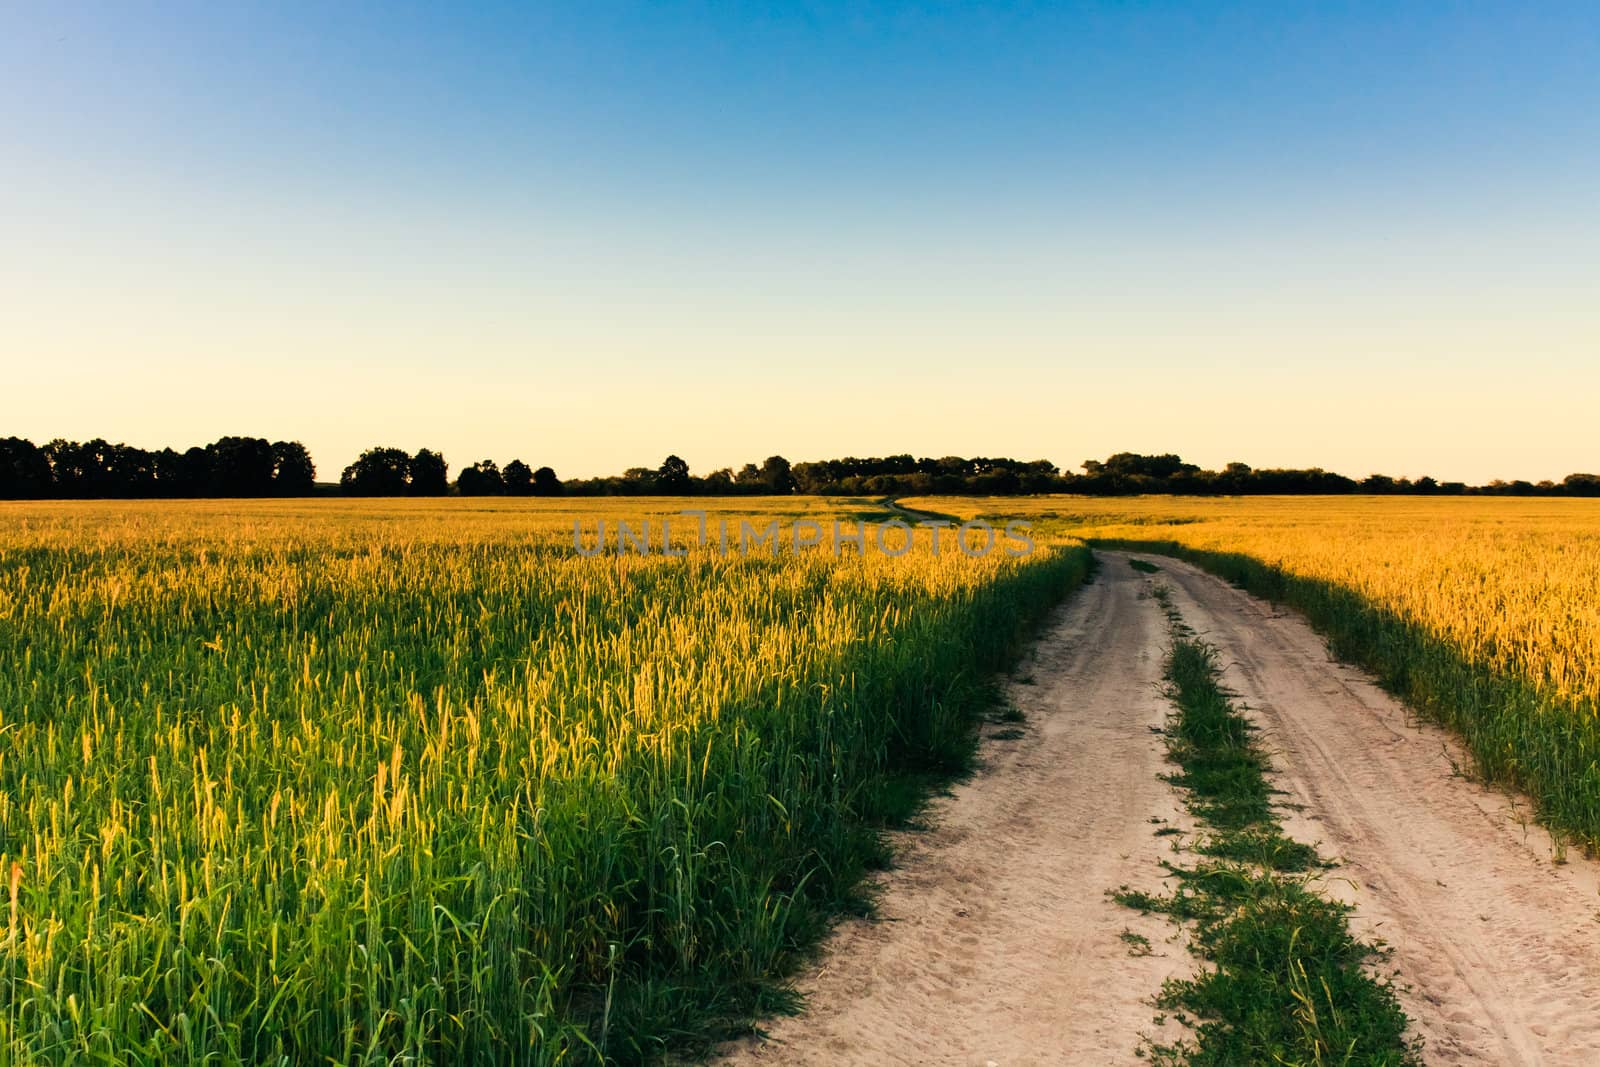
column 996, row 943
column 1497, row 946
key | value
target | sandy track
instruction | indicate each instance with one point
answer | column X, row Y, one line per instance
column 1499, row 945
column 996, row 943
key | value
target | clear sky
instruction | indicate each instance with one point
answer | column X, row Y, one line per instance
column 1364, row 236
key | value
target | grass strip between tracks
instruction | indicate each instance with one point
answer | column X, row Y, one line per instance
column 1285, row 981
column 1530, row 740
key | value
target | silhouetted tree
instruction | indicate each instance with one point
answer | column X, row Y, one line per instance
column 481, row 479
column 1581, row 484
column 169, row 470
column 1378, row 483
column 776, row 475
column 518, row 478
column 430, row 474
column 241, row 466
column 545, row 482
column 65, row 468
column 196, row 467
column 378, row 472
column 636, row 480
column 133, row 472
column 182, row 474
column 81, row 470
column 293, row 473
column 24, row 470
column 808, row 477
column 1001, row 482
column 251, row 466
column 672, row 478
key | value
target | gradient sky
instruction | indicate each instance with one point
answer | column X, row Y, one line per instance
column 1364, row 236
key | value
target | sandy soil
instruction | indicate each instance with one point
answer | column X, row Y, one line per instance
column 996, row 944
column 1498, row 943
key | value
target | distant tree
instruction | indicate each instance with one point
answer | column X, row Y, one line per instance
column 196, row 468
column 98, row 469
column 251, row 466
column 430, row 475
column 80, row 470
column 992, row 483
column 808, row 477
column 181, row 474
column 65, row 469
column 1581, row 484
column 170, row 474
column 518, row 478
column 230, row 466
column 1378, row 483
column 1131, row 464
column 293, row 473
column 24, row 470
column 672, row 478
column 545, row 482
column 481, row 479
column 776, row 475
column 241, row 466
column 132, row 471
column 636, row 480
column 378, row 472
column 1039, row 476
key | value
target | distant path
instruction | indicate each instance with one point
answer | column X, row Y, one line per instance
column 996, row 943
column 914, row 516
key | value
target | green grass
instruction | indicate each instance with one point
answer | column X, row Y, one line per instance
column 1518, row 737
column 1285, row 982
column 286, row 785
column 1138, row 944
column 1009, row 713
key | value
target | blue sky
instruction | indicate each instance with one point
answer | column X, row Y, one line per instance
column 1356, row 235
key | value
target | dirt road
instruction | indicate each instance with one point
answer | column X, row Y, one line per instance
column 996, row 943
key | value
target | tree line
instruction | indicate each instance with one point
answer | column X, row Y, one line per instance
column 256, row 467
column 1122, row 474
column 229, row 466
column 1127, row 473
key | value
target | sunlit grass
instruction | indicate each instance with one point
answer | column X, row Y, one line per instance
column 367, row 782
column 1483, row 613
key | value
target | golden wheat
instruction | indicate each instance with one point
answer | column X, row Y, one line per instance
column 367, row 782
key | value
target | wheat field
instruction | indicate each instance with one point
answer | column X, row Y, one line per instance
column 1483, row 613
column 404, row 782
